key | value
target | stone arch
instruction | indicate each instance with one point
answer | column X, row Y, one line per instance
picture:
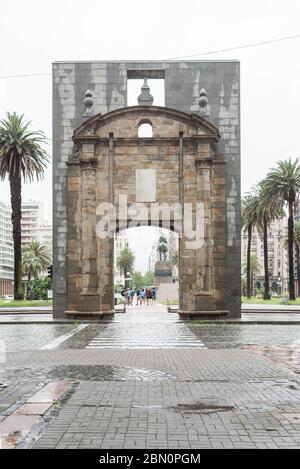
column 145, row 129
column 178, row 167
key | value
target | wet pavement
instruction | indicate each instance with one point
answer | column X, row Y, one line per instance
column 150, row 327
column 236, row 335
column 31, row 337
column 148, row 380
column 146, row 327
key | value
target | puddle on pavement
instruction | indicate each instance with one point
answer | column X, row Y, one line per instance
column 201, row 408
column 85, row 373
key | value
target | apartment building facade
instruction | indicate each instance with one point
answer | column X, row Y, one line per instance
column 6, row 251
column 277, row 253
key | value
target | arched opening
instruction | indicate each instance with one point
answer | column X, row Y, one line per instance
column 153, row 262
column 145, row 130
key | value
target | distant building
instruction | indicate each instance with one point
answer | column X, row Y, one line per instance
column 32, row 214
column 44, row 236
column 34, row 226
column 121, row 241
column 277, row 253
column 6, row 250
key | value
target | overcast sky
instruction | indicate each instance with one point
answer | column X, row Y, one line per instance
column 33, row 34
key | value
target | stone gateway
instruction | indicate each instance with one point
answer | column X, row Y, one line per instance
column 188, row 167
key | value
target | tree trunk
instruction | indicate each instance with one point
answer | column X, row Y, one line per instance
column 267, row 295
column 291, row 251
column 248, row 261
column 298, row 266
column 15, row 194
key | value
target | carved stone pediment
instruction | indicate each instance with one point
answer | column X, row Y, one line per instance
column 166, row 122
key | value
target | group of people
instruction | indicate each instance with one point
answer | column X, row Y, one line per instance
column 143, row 296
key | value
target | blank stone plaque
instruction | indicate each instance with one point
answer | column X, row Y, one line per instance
column 145, row 185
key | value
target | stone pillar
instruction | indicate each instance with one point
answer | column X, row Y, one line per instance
column 105, row 257
column 204, row 298
column 105, row 265
column 89, row 277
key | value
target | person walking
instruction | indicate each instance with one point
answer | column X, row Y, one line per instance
column 138, row 292
column 154, row 292
column 143, row 296
column 132, row 293
column 149, row 296
column 128, row 297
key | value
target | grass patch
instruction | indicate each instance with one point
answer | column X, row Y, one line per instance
column 20, row 303
column 272, row 301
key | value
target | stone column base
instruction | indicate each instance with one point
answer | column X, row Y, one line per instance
column 217, row 314
column 89, row 315
column 204, row 301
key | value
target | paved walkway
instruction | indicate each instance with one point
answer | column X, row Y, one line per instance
column 253, row 317
column 148, row 327
column 145, row 380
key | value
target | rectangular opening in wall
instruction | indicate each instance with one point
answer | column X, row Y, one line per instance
column 155, row 80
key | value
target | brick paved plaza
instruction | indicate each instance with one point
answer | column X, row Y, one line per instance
column 102, row 385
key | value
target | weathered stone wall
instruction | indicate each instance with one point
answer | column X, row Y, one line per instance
column 182, row 158
column 183, row 81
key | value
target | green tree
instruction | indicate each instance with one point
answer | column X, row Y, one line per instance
column 249, row 220
column 38, row 288
column 35, row 259
column 138, row 280
column 125, row 261
column 148, row 278
column 267, row 211
column 282, row 184
column 297, row 248
column 30, row 265
column 21, row 156
column 254, row 269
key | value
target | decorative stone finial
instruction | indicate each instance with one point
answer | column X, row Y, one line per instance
column 88, row 102
column 145, row 98
column 203, row 103
column 195, row 106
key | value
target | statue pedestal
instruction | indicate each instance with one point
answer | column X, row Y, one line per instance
column 162, row 272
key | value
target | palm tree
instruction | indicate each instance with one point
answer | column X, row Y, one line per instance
column 249, row 220
column 21, row 155
column 282, row 185
column 254, row 270
column 30, row 265
column 125, row 261
column 36, row 258
column 297, row 247
column 268, row 210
